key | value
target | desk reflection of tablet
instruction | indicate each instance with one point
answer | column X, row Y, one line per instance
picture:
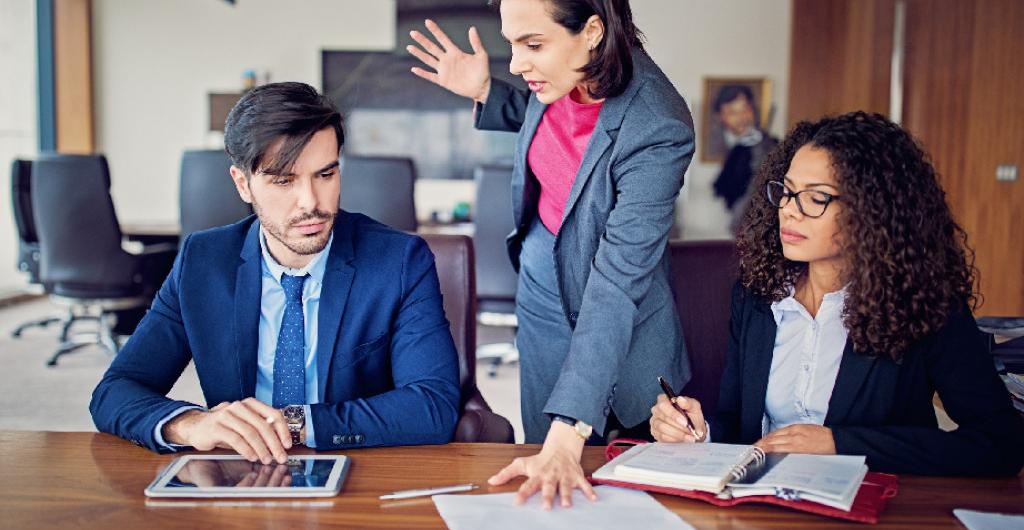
column 233, row 476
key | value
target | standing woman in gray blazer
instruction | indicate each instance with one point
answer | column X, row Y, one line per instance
column 603, row 142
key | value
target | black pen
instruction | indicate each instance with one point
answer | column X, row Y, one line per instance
column 672, row 399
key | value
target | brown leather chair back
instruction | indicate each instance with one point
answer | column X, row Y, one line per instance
column 453, row 257
column 703, row 273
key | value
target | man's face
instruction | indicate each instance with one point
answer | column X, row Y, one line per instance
column 297, row 209
column 737, row 116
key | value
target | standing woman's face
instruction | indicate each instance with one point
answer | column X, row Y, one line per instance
column 544, row 52
column 805, row 237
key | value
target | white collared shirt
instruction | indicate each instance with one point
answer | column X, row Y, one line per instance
column 805, row 361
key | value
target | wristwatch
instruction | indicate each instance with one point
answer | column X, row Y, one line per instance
column 581, row 429
column 295, row 416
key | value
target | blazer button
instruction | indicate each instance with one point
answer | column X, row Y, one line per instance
column 607, row 410
column 359, row 438
column 337, row 439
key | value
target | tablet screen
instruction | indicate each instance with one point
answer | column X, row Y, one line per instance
column 212, row 475
column 245, row 474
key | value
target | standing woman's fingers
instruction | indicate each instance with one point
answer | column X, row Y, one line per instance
column 441, row 36
column 428, row 45
column 474, row 40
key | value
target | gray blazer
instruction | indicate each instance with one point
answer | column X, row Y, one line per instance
column 611, row 255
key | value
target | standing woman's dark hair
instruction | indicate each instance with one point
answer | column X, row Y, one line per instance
column 611, row 68
column 908, row 265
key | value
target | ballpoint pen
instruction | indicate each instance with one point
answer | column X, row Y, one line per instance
column 406, row 494
column 672, row 399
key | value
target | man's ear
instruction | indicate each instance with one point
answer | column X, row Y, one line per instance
column 241, row 184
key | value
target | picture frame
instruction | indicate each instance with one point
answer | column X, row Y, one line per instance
column 712, row 139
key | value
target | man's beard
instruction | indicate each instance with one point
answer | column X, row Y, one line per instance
column 308, row 245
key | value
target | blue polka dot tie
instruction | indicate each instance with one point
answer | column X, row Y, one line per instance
column 290, row 358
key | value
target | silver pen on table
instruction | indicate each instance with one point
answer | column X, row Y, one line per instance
column 407, row 494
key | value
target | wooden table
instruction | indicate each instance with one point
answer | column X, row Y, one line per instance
column 89, row 480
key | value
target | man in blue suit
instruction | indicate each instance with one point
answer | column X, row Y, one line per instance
column 307, row 324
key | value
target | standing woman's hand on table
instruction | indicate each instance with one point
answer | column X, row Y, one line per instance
column 465, row 74
column 556, row 469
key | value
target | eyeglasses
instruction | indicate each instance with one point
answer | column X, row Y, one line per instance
column 779, row 196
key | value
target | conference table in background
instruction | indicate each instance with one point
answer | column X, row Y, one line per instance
column 91, row 480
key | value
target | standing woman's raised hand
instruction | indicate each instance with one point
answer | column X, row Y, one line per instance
column 465, row 74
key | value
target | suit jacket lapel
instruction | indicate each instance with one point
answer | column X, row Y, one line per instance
column 248, row 291
column 760, row 346
column 854, row 369
column 338, row 277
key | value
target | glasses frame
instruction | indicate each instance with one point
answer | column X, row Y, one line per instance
column 788, row 194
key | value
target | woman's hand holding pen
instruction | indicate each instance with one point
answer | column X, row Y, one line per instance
column 555, row 469
column 465, row 74
column 670, row 425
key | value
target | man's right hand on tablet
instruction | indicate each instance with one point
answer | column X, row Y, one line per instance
column 250, row 427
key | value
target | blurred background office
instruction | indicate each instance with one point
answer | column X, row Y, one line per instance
column 147, row 83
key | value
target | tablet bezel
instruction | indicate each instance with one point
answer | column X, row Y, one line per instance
column 335, row 480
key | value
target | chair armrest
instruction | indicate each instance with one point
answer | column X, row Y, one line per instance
column 479, row 424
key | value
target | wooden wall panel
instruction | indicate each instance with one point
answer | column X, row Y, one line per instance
column 993, row 211
column 963, row 86
column 839, row 58
column 72, row 35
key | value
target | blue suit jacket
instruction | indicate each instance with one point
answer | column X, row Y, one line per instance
column 387, row 366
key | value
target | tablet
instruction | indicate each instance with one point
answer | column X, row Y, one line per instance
column 234, row 476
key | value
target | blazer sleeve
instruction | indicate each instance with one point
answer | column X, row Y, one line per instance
column 505, row 109
column 424, row 405
column 989, row 440
column 131, row 398
column 648, row 176
column 725, row 421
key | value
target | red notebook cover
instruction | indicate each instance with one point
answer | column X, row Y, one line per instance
column 874, row 493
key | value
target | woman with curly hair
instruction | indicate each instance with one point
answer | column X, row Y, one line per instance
column 852, row 310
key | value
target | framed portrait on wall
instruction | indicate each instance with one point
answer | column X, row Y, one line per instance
column 728, row 109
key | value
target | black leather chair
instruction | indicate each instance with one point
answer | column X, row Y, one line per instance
column 28, row 242
column 703, row 273
column 453, row 256
column 380, row 187
column 207, row 195
column 496, row 279
column 82, row 259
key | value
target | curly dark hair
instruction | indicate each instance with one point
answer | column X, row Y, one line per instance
column 908, row 265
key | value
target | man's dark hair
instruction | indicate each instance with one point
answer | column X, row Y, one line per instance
column 611, row 67
column 268, row 113
column 729, row 93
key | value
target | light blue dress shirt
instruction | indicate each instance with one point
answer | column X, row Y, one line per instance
column 272, row 302
column 805, row 361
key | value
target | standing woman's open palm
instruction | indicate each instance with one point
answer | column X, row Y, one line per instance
column 465, row 74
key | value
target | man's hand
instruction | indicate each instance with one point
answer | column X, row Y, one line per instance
column 800, row 438
column 555, row 468
column 250, row 427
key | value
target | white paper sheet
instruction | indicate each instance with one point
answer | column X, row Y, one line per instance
column 974, row 520
column 615, row 508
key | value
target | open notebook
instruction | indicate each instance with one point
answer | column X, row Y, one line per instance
column 734, row 471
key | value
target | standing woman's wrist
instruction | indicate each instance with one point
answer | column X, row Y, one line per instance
column 485, row 91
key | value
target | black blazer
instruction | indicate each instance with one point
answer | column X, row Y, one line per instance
column 882, row 409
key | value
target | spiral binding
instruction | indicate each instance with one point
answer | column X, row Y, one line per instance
column 755, row 456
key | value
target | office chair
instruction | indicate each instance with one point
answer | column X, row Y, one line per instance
column 496, row 279
column 703, row 273
column 206, row 193
column 380, row 187
column 453, row 257
column 80, row 248
column 28, row 242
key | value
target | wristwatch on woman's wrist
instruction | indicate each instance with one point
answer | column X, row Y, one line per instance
column 581, row 429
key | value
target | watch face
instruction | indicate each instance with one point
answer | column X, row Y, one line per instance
column 584, row 430
column 293, row 413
